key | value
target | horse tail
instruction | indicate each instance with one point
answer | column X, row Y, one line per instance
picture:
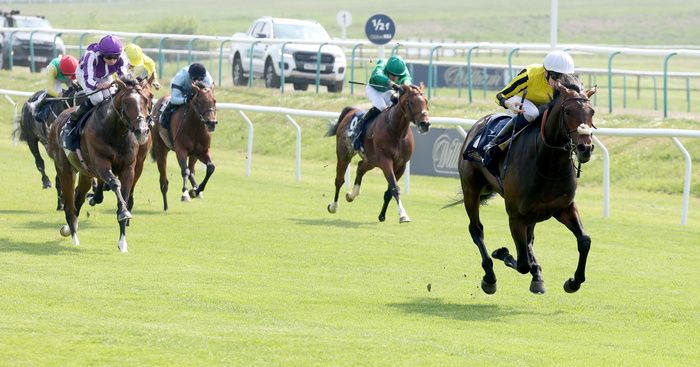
column 23, row 123
column 483, row 199
column 333, row 128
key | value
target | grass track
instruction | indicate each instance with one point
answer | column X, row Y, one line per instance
column 258, row 273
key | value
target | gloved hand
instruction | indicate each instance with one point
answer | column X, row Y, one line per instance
column 103, row 85
column 394, row 86
column 394, row 98
column 514, row 106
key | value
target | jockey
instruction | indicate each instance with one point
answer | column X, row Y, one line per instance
column 100, row 62
column 142, row 66
column 181, row 89
column 539, row 81
column 60, row 71
column 380, row 90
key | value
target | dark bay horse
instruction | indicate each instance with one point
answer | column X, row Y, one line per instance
column 34, row 132
column 110, row 142
column 189, row 136
column 539, row 183
column 388, row 144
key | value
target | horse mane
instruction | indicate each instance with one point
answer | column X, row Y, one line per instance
column 200, row 84
column 130, row 81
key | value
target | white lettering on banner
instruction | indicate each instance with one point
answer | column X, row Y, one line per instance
column 446, row 153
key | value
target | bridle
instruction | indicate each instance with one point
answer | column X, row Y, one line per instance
column 409, row 106
column 569, row 146
column 195, row 106
column 121, row 113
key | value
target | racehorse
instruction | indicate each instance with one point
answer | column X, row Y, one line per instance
column 189, row 136
column 33, row 131
column 111, row 142
column 539, row 182
column 388, row 144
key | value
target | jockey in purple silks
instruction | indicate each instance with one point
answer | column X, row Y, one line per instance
column 100, row 62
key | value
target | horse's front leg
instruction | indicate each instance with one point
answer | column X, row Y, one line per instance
column 59, row 194
column 571, row 219
column 115, row 185
column 206, row 159
column 126, row 177
column 191, row 162
column 519, row 231
column 185, row 172
column 392, row 191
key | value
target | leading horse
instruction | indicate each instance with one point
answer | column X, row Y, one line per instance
column 33, row 131
column 111, row 143
column 538, row 183
column 388, row 144
column 189, row 136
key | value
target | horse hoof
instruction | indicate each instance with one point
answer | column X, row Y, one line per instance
column 537, row 287
column 381, row 218
column 59, row 207
column 193, row 193
column 124, row 216
column 46, row 185
column 571, row 286
column 200, row 195
column 488, row 288
column 185, row 198
column 404, row 219
column 65, row 230
column 349, row 197
column 332, row 208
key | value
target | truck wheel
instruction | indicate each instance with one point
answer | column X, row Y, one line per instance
column 336, row 87
column 271, row 79
column 301, row 86
column 237, row 72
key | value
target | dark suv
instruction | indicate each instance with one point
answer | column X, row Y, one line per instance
column 46, row 44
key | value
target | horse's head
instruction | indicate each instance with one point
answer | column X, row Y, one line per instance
column 415, row 105
column 203, row 104
column 132, row 103
column 576, row 117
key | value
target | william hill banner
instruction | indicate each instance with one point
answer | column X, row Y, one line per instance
column 453, row 76
column 437, row 152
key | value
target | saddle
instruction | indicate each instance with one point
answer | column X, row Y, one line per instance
column 475, row 149
column 71, row 137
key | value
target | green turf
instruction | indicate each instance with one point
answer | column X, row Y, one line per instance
column 259, row 273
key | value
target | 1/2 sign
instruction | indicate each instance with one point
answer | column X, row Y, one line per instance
column 380, row 29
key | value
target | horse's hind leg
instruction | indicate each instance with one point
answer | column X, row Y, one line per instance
column 471, row 193
column 39, row 162
column 343, row 161
column 67, row 181
column 362, row 168
column 59, row 194
column 185, row 173
column 571, row 219
column 537, row 283
column 162, row 161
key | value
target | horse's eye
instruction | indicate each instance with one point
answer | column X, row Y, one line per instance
column 566, row 112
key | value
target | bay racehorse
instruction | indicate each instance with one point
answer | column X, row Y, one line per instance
column 189, row 136
column 110, row 141
column 33, row 131
column 539, row 182
column 388, row 144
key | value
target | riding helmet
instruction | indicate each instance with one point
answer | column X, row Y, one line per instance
column 110, row 46
column 134, row 53
column 559, row 62
column 67, row 66
column 197, row 71
column 395, row 65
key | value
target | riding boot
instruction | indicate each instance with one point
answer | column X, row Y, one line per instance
column 165, row 116
column 362, row 126
column 72, row 137
column 492, row 149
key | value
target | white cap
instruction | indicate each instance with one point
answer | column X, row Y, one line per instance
column 560, row 62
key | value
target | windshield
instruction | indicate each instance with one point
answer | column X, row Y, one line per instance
column 31, row 22
column 310, row 32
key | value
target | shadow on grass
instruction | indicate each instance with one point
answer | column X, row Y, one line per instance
column 454, row 311
column 329, row 222
column 37, row 248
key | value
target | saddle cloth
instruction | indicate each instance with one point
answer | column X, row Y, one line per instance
column 475, row 148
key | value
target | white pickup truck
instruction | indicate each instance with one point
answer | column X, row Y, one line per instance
column 300, row 59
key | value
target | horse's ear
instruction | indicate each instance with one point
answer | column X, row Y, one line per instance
column 149, row 81
column 564, row 90
column 591, row 91
column 421, row 85
column 213, row 85
column 120, row 83
column 195, row 88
